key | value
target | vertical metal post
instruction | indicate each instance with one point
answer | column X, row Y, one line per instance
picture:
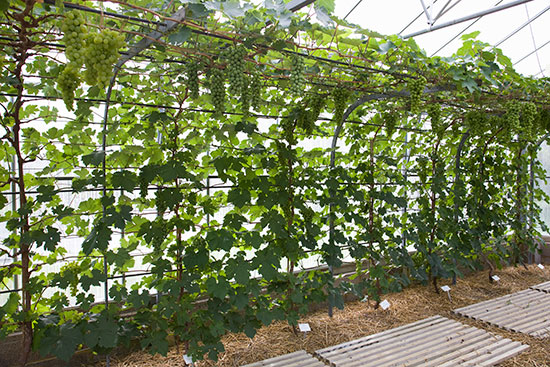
column 14, row 209
column 406, row 177
column 457, row 182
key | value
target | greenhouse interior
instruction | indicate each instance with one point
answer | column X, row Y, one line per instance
column 274, row 183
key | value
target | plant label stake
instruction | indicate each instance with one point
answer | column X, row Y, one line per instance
column 447, row 290
column 496, row 278
column 304, row 328
column 188, row 360
column 385, row 304
column 540, row 266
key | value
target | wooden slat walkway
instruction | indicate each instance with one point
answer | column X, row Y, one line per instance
column 525, row 312
column 435, row 341
column 544, row 287
column 296, row 359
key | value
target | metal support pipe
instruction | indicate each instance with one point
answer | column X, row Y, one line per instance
column 144, row 43
column 532, row 52
column 362, row 100
column 468, row 17
column 537, row 257
column 457, row 182
column 529, row 21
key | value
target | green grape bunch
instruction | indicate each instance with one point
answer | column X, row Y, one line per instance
column 390, row 120
column 317, row 104
column 255, row 90
column 246, row 95
column 340, row 97
column 529, row 115
column 236, row 65
column 101, row 54
column 416, row 88
column 192, row 70
column 297, row 75
column 476, row 122
column 75, row 33
column 434, row 112
column 512, row 116
column 67, row 82
column 216, row 84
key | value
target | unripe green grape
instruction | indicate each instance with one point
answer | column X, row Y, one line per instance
column 192, row 78
column 297, row 75
column 236, row 65
column 416, row 88
column 340, row 97
column 255, row 90
column 434, row 112
column 75, row 33
column 476, row 122
column 390, row 120
column 512, row 116
column 67, row 82
column 102, row 53
column 216, row 84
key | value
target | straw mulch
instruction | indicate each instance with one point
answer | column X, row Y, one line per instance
column 359, row 319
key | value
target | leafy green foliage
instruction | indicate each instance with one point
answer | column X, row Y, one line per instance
column 224, row 206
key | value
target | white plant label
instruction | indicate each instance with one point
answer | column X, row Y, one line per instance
column 496, row 278
column 188, row 360
column 304, row 328
column 385, row 304
column 445, row 288
column 541, row 267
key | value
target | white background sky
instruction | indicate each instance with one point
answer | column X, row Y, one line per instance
column 391, row 16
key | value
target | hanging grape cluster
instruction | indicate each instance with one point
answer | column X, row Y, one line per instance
column 75, row 33
column 416, row 88
column 216, row 84
column 476, row 122
column 236, row 65
column 512, row 116
column 192, row 69
column 255, row 90
column 297, row 75
column 67, row 82
column 98, row 51
column 245, row 99
column 101, row 54
column 434, row 112
column 390, row 120
column 529, row 116
column 340, row 97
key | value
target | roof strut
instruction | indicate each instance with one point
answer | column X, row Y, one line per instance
column 469, row 17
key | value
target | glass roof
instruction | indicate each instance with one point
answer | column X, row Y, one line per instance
column 518, row 30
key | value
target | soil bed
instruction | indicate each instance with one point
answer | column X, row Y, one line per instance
column 359, row 319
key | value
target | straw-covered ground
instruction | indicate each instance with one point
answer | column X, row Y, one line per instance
column 359, row 319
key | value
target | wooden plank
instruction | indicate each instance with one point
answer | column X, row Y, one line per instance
column 525, row 312
column 436, row 341
column 297, row 359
